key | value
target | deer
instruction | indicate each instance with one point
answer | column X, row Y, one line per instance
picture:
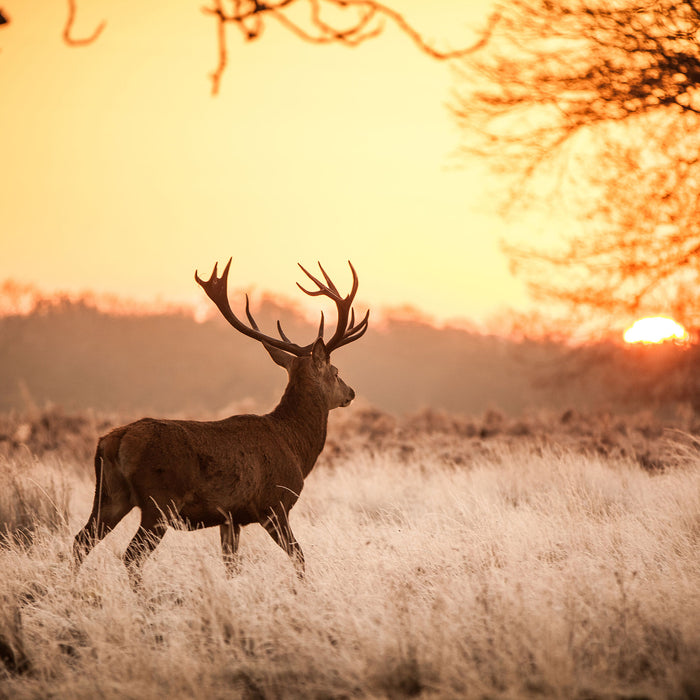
column 233, row 472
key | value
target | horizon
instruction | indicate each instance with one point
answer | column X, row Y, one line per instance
column 21, row 299
column 24, row 299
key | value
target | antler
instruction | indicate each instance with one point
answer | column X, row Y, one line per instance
column 344, row 333
column 216, row 289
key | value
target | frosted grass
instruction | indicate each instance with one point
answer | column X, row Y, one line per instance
column 531, row 574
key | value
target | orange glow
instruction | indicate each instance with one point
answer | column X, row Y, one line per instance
column 655, row 329
column 121, row 174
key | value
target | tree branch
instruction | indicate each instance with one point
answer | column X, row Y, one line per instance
column 415, row 36
column 68, row 28
column 362, row 14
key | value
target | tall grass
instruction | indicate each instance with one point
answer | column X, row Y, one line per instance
column 33, row 496
column 532, row 573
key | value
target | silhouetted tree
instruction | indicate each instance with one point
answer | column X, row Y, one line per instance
column 595, row 105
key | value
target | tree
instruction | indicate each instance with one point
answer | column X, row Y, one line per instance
column 348, row 22
column 595, row 105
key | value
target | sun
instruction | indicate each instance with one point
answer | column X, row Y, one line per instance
column 655, row 329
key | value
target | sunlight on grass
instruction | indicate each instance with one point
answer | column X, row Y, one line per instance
column 32, row 497
column 529, row 574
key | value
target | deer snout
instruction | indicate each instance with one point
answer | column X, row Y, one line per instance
column 349, row 397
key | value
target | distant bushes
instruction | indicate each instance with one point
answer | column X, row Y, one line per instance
column 73, row 354
column 642, row 437
column 460, row 440
column 70, row 434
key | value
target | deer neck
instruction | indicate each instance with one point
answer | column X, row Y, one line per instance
column 303, row 414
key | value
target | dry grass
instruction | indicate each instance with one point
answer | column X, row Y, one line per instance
column 33, row 497
column 532, row 571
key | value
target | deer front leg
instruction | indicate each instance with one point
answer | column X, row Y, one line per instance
column 230, row 535
column 277, row 526
column 146, row 539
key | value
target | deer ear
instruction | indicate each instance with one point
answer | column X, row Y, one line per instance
column 319, row 352
column 279, row 357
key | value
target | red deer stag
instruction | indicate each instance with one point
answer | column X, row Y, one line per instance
column 240, row 470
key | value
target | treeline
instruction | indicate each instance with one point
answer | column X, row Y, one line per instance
column 71, row 354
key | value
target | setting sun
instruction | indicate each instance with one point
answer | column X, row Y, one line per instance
column 656, row 329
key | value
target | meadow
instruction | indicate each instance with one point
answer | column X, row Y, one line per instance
column 447, row 557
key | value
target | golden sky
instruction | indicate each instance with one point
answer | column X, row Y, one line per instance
column 120, row 173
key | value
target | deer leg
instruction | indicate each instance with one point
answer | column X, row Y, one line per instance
column 109, row 506
column 230, row 535
column 104, row 518
column 146, row 539
column 277, row 526
column 94, row 531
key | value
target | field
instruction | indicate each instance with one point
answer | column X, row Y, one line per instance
column 553, row 557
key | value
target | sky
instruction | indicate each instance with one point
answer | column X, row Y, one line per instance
column 121, row 173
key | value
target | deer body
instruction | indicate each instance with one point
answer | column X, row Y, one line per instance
column 205, row 472
column 233, row 472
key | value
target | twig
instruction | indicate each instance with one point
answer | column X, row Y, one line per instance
column 68, row 28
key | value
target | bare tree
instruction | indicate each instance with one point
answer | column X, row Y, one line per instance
column 594, row 105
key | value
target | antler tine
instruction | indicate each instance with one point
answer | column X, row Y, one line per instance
column 249, row 315
column 354, row 333
column 214, row 286
column 213, row 279
column 329, row 281
column 361, row 325
column 330, row 290
column 281, row 332
column 284, row 337
column 322, row 289
column 355, row 283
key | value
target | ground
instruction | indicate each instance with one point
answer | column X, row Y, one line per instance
column 446, row 557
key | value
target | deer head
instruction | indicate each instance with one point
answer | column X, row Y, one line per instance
column 311, row 361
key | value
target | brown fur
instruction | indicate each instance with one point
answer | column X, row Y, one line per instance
column 240, row 470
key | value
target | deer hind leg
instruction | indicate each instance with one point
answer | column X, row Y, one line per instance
column 110, row 505
column 98, row 526
column 277, row 526
column 230, row 533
